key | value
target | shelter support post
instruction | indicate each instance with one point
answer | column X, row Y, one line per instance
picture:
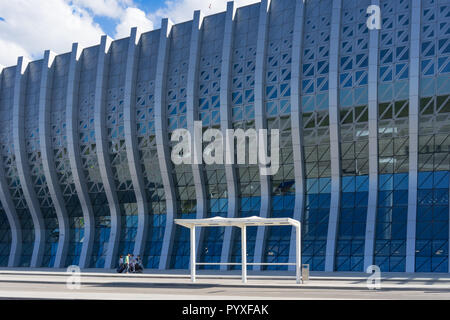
column 193, row 262
column 244, row 253
column 298, row 254
column 243, row 223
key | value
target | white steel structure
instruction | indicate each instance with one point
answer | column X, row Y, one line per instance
column 242, row 223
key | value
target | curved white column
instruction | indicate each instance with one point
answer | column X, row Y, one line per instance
column 334, row 134
column 162, row 141
column 23, row 168
column 73, row 148
column 297, row 123
column 129, row 114
column 261, row 122
column 11, row 214
column 192, row 116
column 13, row 220
column 414, row 79
column 101, row 140
column 225, row 123
column 369, row 244
column 48, row 161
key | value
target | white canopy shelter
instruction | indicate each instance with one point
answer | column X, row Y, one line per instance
column 242, row 223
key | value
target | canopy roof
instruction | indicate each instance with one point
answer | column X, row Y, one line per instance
column 237, row 222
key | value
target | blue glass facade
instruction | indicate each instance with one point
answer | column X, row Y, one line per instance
column 14, row 188
column 279, row 237
column 117, row 152
column 5, row 239
column 34, row 162
column 61, row 158
column 186, row 201
column 392, row 214
column 145, row 121
column 315, row 222
column 352, row 224
column 432, row 234
column 378, row 145
column 393, row 137
column 243, row 117
column 89, row 160
column 182, row 246
column 354, row 133
column 209, row 114
column 248, row 207
column 316, row 132
column 432, row 222
column 278, row 109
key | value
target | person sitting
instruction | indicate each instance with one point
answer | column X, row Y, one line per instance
column 121, row 267
column 132, row 263
column 139, row 268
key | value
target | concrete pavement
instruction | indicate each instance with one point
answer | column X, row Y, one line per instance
column 214, row 285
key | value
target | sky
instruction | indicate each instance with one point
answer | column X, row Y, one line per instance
column 29, row 27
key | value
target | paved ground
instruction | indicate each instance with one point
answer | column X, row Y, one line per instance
column 176, row 285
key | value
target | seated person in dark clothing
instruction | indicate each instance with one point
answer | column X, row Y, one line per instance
column 138, row 267
column 121, row 267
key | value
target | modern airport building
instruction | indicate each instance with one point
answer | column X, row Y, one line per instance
column 363, row 111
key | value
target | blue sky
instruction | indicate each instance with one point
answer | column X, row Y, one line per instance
column 28, row 29
column 147, row 5
column 108, row 24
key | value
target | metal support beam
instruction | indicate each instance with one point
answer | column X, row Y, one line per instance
column 101, row 140
column 129, row 111
column 9, row 208
column 192, row 116
column 261, row 123
column 334, row 134
column 414, row 79
column 45, row 136
column 162, row 141
column 369, row 243
column 225, row 123
column 23, row 169
column 296, row 120
column 73, row 149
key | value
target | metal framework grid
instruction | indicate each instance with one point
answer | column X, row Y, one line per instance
column 242, row 223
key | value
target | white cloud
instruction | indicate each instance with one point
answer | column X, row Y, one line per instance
column 183, row 10
column 106, row 8
column 28, row 29
column 132, row 17
column 9, row 51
